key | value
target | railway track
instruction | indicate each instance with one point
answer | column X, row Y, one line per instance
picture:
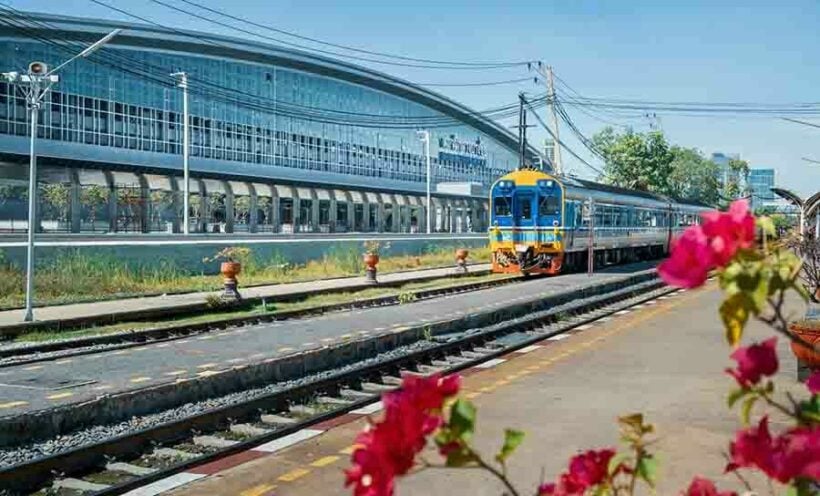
column 123, row 463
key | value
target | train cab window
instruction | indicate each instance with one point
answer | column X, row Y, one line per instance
column 502, row 205
column 549, row 205
column 526, row 209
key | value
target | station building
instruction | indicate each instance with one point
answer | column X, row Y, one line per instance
column 280, row 140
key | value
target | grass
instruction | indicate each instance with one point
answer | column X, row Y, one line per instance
column 75, row 277
column 316, row 301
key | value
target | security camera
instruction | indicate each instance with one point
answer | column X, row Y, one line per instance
column 37, row 68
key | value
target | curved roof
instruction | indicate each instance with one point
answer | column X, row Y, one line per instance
column 201, row 44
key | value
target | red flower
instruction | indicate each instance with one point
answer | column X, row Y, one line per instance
column 754, row 362
column 690, row 260
column 813, row 383
column 388, row 448
column 585, row 470
column 729, row 231
column 796, row 453
column 590, row 468
column 705, row 487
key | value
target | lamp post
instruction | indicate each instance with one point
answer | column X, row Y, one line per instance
column 183, row 83
column 425, row 137
column 35, row 84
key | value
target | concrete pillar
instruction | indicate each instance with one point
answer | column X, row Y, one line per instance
column 333, row 217
column 297, row 208
column 144, row 208
column 112, row 201
column 365, row 214
column 253, row 214
column 176, row 205
column 314, row 210
column 451, row 216
column 76, row 206
column 464, row 215
column 229, row 207
column 203, row 206
column 275, row 218
column 380, row 214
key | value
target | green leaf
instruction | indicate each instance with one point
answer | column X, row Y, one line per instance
column 512, row 439
column 462, row 419
column 734, row 314
column 746, row 409
column 648, row 469
column 735, row 395
column 459, row 458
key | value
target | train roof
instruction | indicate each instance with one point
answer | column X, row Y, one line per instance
column 617, row 190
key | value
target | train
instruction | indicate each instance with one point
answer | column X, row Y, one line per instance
column 545, row 224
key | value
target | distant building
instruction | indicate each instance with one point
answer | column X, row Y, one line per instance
column 761, row 182
column 726, row 174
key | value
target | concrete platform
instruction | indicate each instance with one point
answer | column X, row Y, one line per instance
column 60, row 382
column 665, row 359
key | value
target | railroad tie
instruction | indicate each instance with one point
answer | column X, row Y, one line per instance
column 79, row 485
column 373, row 387
column 214, row 442
column 130, row 469
column 248, row 430
column 355, row 394
column 174, row 454
column 330, row 400
column 275, row 420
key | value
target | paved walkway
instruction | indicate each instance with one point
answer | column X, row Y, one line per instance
column 60, row 381
column 665, row 359
column 124, row 306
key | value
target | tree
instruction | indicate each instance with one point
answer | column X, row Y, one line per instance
column 92, row 197
column 739, row 176
column 694, row 177
column 641, row 161
column 57, row 196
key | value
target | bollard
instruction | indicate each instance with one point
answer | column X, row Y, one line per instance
column 461, row 261
column 371, row 260
column 229, row 271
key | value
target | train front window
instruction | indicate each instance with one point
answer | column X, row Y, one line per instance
column 502, row 205
column 549, row 205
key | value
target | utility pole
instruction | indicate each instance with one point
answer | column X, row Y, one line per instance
column 183, row 83
column 522, row 131
column 548, row 79
column 35, row 84
column 425, row 137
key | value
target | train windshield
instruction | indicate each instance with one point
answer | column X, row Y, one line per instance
column 549, row 205
column 502, row 205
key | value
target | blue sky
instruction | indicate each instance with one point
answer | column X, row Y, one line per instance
column 750, row 51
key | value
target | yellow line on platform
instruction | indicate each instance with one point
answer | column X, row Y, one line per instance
column 176, row 372
column 325, row 461
column 13, row 404
column 33, row 367
column 349, row 450
column 294, row 474
column 137, row 380
column 259, row 490
column 59, row 396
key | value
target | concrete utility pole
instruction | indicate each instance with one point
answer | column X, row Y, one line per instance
column 425, row 137
column 183, row 83
column 547, row 78
column 36, row 83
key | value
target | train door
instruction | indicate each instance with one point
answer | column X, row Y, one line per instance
column 524, row 211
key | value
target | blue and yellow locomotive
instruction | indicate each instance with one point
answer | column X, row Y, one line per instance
column 542, row 224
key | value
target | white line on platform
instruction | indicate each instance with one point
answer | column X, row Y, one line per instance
column 584, row 327
column 622, row 312
column 604, row 319
column 289, row 440
column 226, row 240
column 490, row 363
column 529, row 348
column 166, row 484
column 558, row 337
column 369, row 409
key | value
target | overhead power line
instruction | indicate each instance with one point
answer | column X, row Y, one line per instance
column 797, row 121
column 350, row 48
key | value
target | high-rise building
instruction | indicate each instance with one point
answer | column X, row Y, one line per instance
column 761, row 182
column 725, row 173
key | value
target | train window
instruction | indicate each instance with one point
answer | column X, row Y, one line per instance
column 526, row 209
column 549, row 205
column 502, row 205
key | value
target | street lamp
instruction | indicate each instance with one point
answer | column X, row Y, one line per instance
column 35, row 84
column 183, row 83
column 425, row 137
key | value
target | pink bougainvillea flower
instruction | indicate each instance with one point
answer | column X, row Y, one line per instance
column 387, row 449
column 689, row 261
column 813, row 383
column 590, row 468
column 705, row 487
column 754, row 362
column 728, row 232
column 796, row 453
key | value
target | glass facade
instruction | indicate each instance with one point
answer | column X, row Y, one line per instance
column 261, row 119
column 761, row 182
